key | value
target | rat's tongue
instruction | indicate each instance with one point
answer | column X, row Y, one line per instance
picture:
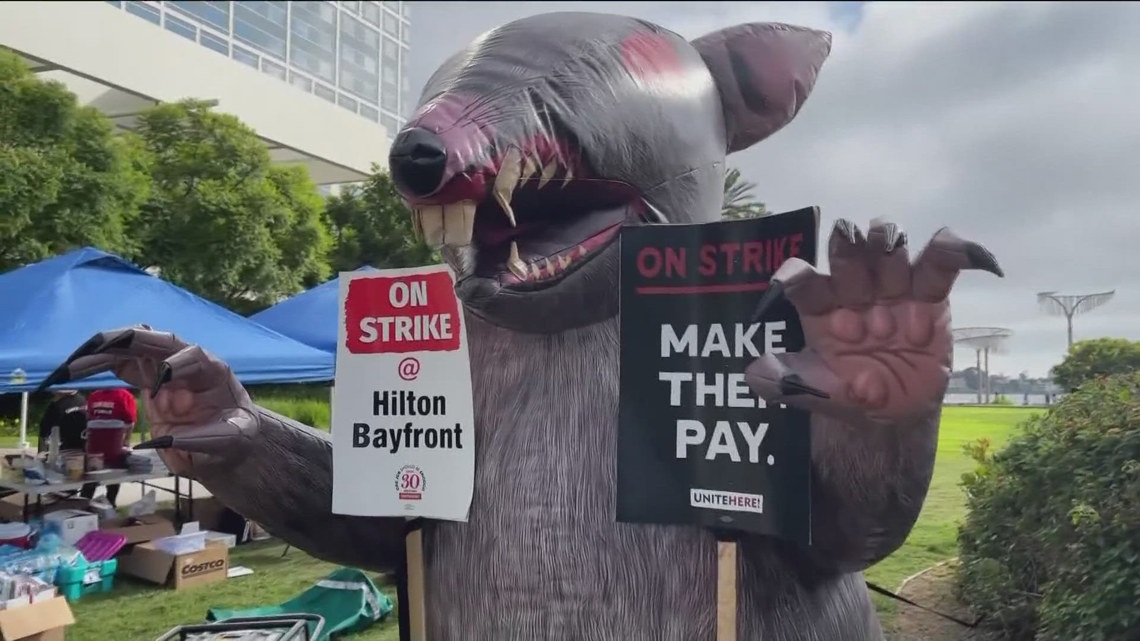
column 499, row 236
column 563, row 233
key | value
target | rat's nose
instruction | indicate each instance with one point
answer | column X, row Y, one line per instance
column 417, row 161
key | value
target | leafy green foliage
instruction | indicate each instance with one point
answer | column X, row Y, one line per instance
column 192, row 193
column 738, row 199
column 65, row 180
column 370, row 225
column 1094, row 358
column 1049, row 550
column 222, row 221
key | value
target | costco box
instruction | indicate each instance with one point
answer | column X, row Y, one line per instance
column 43, row 620
column 139, row 529
column 178, row 571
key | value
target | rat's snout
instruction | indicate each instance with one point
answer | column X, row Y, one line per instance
column 418, row 161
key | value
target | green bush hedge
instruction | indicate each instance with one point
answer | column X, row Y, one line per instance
column 1050, row 548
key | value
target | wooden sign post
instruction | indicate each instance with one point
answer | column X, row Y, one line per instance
column 417, row 595
column 725, row 591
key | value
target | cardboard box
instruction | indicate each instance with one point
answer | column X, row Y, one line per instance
column 40, row 621
column 139, row 530
column 12, row 506
column 206, row 511
column 72, row 524
column 146, row 562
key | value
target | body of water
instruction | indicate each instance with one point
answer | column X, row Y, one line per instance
column 969, row 398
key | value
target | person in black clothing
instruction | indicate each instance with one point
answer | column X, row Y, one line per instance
column 68, row 410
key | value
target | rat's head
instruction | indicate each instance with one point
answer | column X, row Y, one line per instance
column 531, row 148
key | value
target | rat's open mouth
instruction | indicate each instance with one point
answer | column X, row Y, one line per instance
column 525, row 219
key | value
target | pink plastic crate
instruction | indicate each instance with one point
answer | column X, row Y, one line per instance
column 100, row 545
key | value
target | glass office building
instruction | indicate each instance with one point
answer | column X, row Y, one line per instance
column 352, row 54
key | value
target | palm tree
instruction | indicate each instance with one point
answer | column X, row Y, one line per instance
column 738, row 199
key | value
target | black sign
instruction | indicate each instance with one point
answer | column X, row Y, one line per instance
column 695, row 445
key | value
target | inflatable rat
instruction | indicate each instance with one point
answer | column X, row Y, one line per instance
column 530, row 149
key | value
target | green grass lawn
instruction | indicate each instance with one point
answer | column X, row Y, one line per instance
column 136, row 611
column 142, row 613
column 934, row 537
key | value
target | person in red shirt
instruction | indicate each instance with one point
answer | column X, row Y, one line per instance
column 111, row 405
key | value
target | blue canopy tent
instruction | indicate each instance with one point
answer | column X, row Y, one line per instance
column 309, row 317
column 50, row 308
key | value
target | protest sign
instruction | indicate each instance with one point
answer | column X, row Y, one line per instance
column 403, row 416
column 695, row 445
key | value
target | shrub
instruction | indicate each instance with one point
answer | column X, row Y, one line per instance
column 1049, row 549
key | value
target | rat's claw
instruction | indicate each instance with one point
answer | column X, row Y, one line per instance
column 61, row 374
column 889, row 259
column 849, row 231
column 807, row 289
column 774, row 293
column 981, row 258
column 230, row 434
column 800, row 379
column 939, row 264
column 885, row 237
column 64, row 373
column 115, row 349
column 163, row 376
column 792, row 385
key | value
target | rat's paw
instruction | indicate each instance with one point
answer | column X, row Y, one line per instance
column 198, row 412
column 877, row 329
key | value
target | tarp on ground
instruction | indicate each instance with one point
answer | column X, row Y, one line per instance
column 309, row 317
column 50, row 308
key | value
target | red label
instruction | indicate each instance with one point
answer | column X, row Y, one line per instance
column 393, row 315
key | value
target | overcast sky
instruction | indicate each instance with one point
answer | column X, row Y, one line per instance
column 1016, row 124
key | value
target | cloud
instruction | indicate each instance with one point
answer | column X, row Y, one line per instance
column 1012, row 123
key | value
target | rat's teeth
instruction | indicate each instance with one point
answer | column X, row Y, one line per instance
column 564, row 261
column 547, row 174
column 535, row 272
column 581, row 250
column 507, row 180
column 505, row 203
column 515, row 263
column 469, row 216
column 416, row 226
column 549, row 267
column 529, row 168
column 568, row 177
column 430, row 219
column 458, row 223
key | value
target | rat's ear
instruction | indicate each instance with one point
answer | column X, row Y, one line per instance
column 764, row 72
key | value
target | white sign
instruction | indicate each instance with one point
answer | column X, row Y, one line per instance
column 403, row 417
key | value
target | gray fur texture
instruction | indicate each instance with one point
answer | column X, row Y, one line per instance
column 542, row 558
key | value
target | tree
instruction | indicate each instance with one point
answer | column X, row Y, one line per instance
column 65, row 179
column 1096, row 358
column 738, row 199
column 222, row 221
column 371, row 225
column 1048, row 548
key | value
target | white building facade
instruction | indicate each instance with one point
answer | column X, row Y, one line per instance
column 322, row 83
